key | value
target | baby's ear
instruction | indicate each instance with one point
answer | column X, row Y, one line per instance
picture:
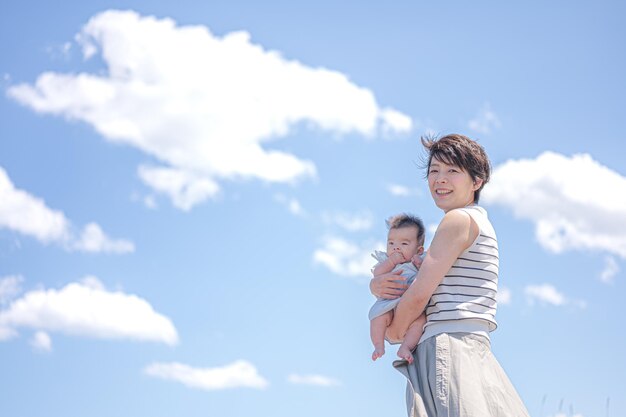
column 420, row 250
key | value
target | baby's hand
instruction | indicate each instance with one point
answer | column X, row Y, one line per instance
column 397, row 258
column 417, row 261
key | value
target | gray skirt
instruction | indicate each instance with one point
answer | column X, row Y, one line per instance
column 456, row 375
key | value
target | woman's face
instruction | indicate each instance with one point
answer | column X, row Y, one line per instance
column 450, row 186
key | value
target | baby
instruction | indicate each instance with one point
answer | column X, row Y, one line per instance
column 405, row 244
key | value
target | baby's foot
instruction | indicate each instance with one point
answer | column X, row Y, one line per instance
column 378, row 352
column 405, row 353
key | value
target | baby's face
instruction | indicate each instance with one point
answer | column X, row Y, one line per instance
column 403, row 240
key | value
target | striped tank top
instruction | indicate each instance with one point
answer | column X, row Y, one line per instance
column 465, row 300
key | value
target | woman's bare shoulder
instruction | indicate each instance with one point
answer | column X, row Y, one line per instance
column 457, row 226
column 456, row 219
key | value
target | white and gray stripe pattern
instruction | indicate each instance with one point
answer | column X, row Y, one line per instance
column 468, row 291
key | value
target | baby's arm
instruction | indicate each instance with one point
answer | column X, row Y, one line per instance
column 388, row 264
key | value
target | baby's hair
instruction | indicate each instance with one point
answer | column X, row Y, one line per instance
column 407, row 220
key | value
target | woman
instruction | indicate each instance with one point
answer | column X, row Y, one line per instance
column 454, row 372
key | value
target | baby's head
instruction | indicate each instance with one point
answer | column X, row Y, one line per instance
column 406, row 235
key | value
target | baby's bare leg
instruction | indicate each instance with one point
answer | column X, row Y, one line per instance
column 412, row 336
column 378, row 326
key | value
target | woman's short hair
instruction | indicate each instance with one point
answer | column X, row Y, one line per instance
column 459, row 150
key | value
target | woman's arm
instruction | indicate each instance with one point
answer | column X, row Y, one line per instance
column 456, row 232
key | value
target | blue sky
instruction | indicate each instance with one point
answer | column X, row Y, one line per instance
column 190, row 193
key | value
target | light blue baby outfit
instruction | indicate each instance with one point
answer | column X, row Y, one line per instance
column 382, row 305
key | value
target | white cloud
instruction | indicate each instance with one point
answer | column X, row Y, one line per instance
column 504, row 296
column 394, row 121
column 87, row 309
column 10, row 286
column 184, row 188
column 545, row 293
column 485, row 121
column 548, row 294
column 352, row 222
column 60, row 50
column 346, row 258
column 6, row 333
column 93, row 239
column 431, row 229
column 399, row 190
column 292, row 204
column 611, row 268
column 575, row 202
column 402, row 190
column 29, row 215
column 316, row 380
column 201, row 104
column 41, row 342
column 238, row 374
column 150, row 202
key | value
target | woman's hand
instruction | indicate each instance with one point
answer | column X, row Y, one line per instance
column 390, row 285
